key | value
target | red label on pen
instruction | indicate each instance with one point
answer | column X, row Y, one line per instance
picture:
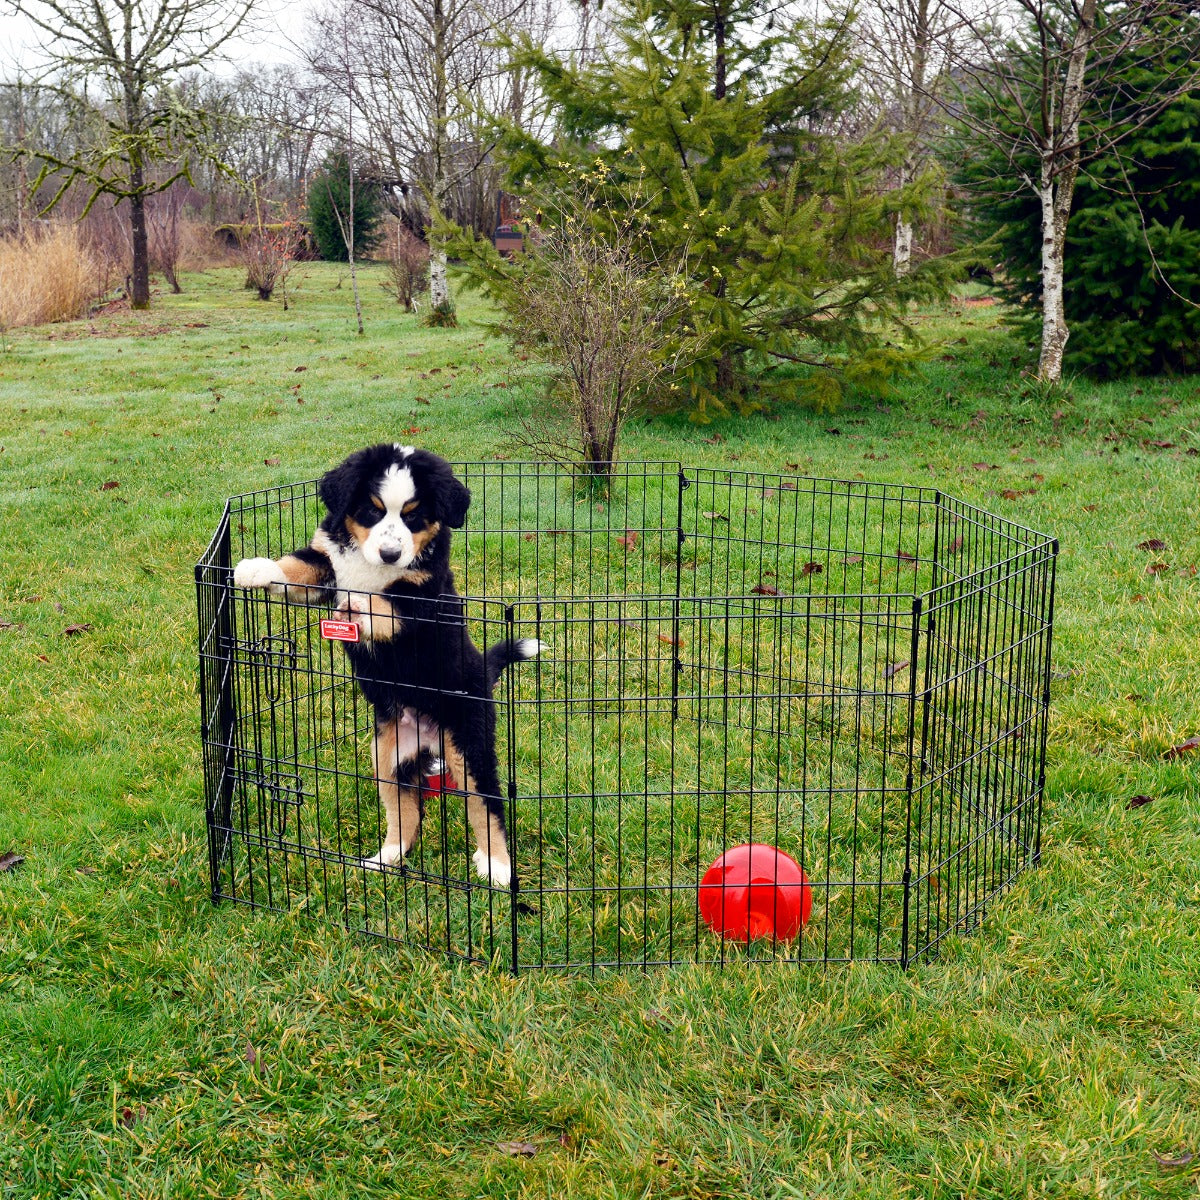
column 339, row 631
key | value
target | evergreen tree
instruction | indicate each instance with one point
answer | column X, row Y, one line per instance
column 329, row 210
column 784, row 230
column 1132, row 254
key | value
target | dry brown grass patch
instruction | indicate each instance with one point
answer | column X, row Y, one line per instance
column 46, row 276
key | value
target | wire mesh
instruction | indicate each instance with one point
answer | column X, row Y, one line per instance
column 855, row 673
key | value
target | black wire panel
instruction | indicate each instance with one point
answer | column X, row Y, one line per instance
column 854, row 673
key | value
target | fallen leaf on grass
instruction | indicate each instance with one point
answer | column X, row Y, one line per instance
column 812, row 568
column 1169, row 1162
column 1138, row 801
column 11, row 625
column 299, row 369
column 630, row 540
column 668, row 640
column 517, row 1149
column 108, row 485
column 851, row 559
column 1182, row 748
column 1152, row 544
column 73, row 630
column 715, row 516
column 956, row 545
column 270, row 462
column 907, row 560
column 10, row 860
column 129, row 1118
column 894, row 669
column 765, row 589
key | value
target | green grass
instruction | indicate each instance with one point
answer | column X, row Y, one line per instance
column 153, row 1046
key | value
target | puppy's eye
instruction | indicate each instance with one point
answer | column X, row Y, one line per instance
column 410, row 508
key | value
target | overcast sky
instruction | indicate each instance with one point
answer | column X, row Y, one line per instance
column 279, row 24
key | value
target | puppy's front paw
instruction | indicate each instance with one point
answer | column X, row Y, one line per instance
column 490, row 867
column 259, row 573
column 388, row 855
column 354, row 612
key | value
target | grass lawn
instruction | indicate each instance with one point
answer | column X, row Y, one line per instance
column 153, row 1046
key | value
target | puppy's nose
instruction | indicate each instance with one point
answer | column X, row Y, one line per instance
column 389, row 554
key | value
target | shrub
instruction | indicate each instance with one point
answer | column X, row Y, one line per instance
column 46, row 276
column 407, row 259
column 441, row 316
column 598, row 303
column 268, row 253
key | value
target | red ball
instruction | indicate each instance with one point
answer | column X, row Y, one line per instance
column 755, row 891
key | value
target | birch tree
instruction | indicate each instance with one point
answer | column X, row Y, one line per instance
column 1040, row 93
column 120, row 58
column 908, row 49
column 421, row 74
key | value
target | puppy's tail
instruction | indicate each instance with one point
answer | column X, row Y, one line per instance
column 504, row 654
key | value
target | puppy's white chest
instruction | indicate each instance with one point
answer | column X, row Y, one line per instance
column 351, row 570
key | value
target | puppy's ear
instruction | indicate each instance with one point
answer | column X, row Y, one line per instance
column 336, row 488
column 454, row 501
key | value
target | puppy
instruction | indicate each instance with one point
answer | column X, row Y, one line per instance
column 382, row 557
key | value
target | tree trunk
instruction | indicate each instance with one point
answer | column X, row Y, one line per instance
column 439, row 285
column 22, row 175
column 1054, row 319
column 720, row 66
column 902, row 240
column 140, row 270
column 914, row 105
column 1056, row 191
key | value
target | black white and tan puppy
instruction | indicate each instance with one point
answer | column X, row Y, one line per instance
column 382, row 557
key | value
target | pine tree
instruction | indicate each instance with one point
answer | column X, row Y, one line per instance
column 329, row 212
column 784, row 230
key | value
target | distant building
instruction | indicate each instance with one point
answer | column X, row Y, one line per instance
column 508, row 237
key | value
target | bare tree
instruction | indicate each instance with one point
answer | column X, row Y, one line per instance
column 423, row 74
column 909, row 46
column 267, row 128
column 1033, row 90
column 131, row 52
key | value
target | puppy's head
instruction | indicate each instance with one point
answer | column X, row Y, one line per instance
column 392, row 501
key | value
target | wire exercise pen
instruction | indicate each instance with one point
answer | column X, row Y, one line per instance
column 857, row 673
